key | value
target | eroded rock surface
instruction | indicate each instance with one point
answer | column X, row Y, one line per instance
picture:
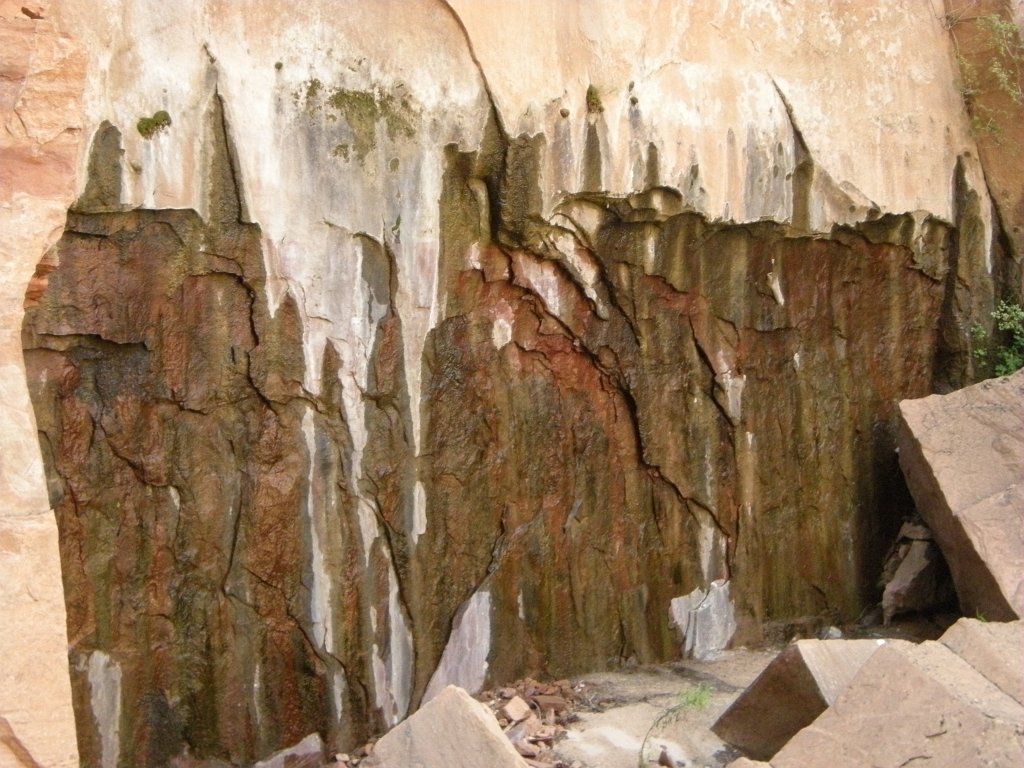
column 364, row 368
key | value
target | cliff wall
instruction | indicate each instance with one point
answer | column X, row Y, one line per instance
column 428, row 342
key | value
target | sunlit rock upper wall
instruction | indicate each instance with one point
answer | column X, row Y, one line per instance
column 871, row 86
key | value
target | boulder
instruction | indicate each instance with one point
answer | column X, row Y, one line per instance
column 962, row 455
column 798, row 685
column 992, row 648
column 913, row 703
column 451, row 731
column 308, row 753
column 916, row 577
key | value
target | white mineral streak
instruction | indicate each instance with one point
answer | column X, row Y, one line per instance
column 419, row 512
column 775, row 284
column 320, row 605
column 706, row 620
column 732, row 385
column 392, row 675
column 464, row 661
column 320, row 590
column 105, row 702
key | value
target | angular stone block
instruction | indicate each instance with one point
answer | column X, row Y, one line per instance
column 913, row 704
column 308, row 753
column 451, row 731
column 798, row 685
column 995, row 649
column 962, row 455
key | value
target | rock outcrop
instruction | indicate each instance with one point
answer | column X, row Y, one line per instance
column 963, row 455
column 362, row 368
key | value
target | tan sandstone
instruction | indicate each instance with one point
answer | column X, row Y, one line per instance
column 962, row 454
column 41, row 78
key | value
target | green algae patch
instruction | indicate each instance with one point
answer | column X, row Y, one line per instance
column 361, row 111
column 148, row 127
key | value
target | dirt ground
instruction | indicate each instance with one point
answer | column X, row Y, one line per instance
column 628, row 716
column 628, row 713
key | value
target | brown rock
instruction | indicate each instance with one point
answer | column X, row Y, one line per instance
column 920, row 581
column 451, row 731
column 548, row 702
column 962, row 455
column 796, row 687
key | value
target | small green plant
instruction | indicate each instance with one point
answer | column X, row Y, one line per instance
column 693, row 699
column 148, row 127
column 696, row 699
column 1005, row 67
column 1003, row 353
column 594, row 104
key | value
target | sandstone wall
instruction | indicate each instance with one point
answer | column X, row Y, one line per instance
column 41, row 80
column 429, row 342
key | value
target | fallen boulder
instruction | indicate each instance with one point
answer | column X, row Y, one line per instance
column 308, row 753
column 915, row 576
column 795, row 688
column 913, row 703
column 962, row 455
column 451, row 731
column 994, row 649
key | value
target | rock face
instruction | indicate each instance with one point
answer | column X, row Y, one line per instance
column 962, row 454
column 361, row 369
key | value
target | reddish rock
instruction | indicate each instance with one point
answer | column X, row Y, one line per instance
column 796, row 687
column 962, row 455
column 913, row 703
column 994, row 649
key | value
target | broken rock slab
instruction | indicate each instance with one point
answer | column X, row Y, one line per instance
column 909, row 704
column 962, row 455
column 916, row 575
column 451, row 731
column 308, row 753
column 995, row 649
column 795, row 688
column 706, row 620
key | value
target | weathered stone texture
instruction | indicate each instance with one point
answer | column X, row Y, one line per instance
column 41, row 80
column 962, row 454
column 380, row 366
